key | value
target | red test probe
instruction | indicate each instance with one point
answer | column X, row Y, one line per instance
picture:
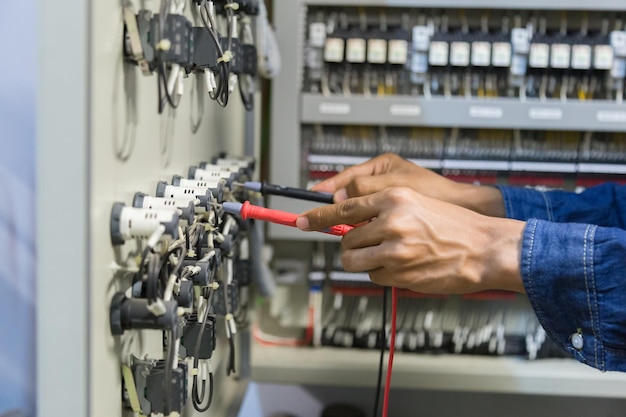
column 248, row 211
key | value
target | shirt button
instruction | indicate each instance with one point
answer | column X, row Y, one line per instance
column 577, row 341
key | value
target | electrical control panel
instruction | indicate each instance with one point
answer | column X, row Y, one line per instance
column 481, row 92
column 184, row 286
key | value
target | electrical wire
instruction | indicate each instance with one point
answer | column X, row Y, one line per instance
column 383, row 345
column 392, row 348
column 223, row 66
column 198, row 399
column 169, row 364
column 152, row 279
column 161, row 66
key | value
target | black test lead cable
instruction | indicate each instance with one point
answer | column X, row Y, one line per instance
column 383, row 346
column 299, row 193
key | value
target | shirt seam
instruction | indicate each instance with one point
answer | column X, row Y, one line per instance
column 595, row 326
column 588, row 292
column 548, row 206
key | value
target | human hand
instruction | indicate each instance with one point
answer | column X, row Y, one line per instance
column 390, row 170
column 409, row 240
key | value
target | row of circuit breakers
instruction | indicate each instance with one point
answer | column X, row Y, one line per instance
column 518, row 51
column 428, row 44
column 190, row 274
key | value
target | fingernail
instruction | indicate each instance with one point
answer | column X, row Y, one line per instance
column 302, row 223
column 341, row 194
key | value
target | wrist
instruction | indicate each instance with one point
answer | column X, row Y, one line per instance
column 502, row 255
column 481, row 199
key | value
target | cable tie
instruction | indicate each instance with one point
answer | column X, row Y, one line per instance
column 157, row 308
column 164, row 45
column 233, row 5
column 180, row 311
column 245, row 20
column 195, row 371
column 227, row 57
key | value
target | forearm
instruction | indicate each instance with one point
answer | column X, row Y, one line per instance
column 481, row 199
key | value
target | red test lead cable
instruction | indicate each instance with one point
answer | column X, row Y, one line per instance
column 392, row 348
column 248, row 211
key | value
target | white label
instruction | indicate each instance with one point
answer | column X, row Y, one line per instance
column 460, row 54
column 482, row 112
column 333, row 51
column 521, row 40
column 481, row 54
column 405, row 110
column 618, row 42
column 501, row 54
column 421, row 38
column 611, row 116
column 419, row 63
column 602, row 57
column 398, row 51
column 376, row 51
column 355, row 50
column 560, row 55
column 438, row 53
column 538, row 113
column 581, row 57
column 539, row 55
column 334, row 108
column 317, row 34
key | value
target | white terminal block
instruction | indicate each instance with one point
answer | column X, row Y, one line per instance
column 560, row 55
column 539, row 56
column 241, row 163
column 438, row 53
column 140, row 223
column 581, row 57
column 356, row 50
column 207, row 175
column 220, row 168
column 481, row 54
column 334, row 49
column 317, row 34
column 501, row 54
column 398, row 51
column 376, row 51
column 199, row 195
column 459, row 54
column 184, row 207
column 617, row 39
column 216, row 186
column 186, row 182
column 603, row 57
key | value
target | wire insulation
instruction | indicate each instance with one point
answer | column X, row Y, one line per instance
column 383, row 345
column 392, row 348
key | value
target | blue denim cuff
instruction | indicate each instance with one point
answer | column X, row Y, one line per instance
column 574, row 277
column 603, row 205
column 525, row 203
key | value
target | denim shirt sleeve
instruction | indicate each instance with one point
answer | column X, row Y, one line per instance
column 602, row 205
column 575, row 278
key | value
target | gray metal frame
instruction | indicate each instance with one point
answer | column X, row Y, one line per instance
column 62, row 218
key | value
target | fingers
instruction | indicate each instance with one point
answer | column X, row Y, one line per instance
column 368, row 185
column 374, row 166
column 351, row 211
